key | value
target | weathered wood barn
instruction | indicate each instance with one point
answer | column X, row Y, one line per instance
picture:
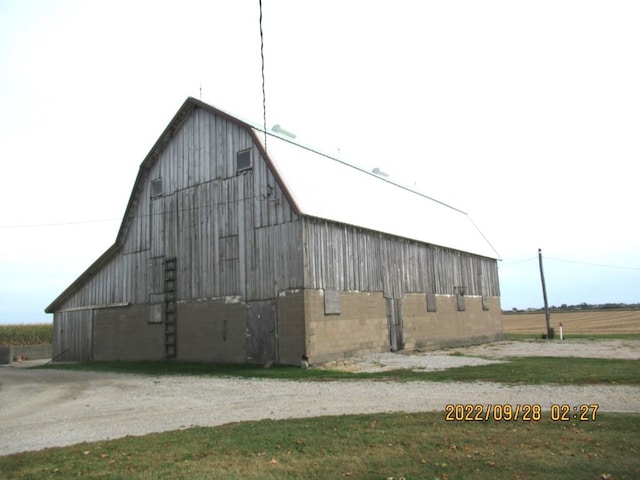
column 234, row 248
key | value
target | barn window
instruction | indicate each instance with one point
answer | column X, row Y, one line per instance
column 332, row 302
column 156, row 187
column 431, row 302
column 243, row 160
column 155, row 312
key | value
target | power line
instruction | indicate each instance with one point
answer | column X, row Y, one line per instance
column 511, row 263
column 593, row 264
column 264, row 96
column 58, row 224
column 268, row 197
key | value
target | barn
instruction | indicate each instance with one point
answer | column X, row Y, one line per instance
column 239, row 245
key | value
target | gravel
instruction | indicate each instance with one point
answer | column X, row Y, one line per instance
column 46, row 408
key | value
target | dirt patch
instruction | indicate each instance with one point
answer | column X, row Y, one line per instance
column 491, row 353
column 622, row 349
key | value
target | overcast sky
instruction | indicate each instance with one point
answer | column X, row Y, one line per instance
column 525, row 115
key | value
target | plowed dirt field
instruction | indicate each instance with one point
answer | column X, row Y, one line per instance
column 574, row 322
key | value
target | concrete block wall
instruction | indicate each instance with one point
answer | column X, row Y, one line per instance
column 448, row 327
column 8, row 353
column 212, row 331
column 359, row 329
column 126, row 334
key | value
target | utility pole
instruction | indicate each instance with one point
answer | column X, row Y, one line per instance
column 544, row 294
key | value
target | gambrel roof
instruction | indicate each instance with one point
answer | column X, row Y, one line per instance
column 319, row 185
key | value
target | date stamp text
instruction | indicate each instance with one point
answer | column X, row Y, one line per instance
column 499, row 412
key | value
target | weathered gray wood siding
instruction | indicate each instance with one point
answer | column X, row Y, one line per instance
column 73, row 336
column 342, row 257
column 232, row 233
column 123, row 279
column 228, row 230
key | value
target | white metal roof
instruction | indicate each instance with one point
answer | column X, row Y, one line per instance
column 331, row 189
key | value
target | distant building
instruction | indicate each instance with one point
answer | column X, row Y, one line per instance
column 231, row 250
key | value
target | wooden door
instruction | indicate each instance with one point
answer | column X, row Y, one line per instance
column 394, row 321
column 73, row 335
column 156, row 224
column 261, row 332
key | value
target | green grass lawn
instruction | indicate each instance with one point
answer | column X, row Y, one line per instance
column 409, row 446
column 529, row 370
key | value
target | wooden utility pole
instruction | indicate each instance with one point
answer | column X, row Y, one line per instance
column 544, row 294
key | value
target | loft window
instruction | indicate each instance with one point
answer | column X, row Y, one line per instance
column 156, row 187
column 243, row 160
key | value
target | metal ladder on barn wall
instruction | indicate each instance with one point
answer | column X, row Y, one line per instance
column 170, row 320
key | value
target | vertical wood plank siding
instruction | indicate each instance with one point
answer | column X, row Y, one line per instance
column 231, row 233
column 341, row 257
column 235, row 233
column 73, row 336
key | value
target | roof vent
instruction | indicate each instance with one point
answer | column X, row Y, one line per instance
column 380, row 173
column 278, row 129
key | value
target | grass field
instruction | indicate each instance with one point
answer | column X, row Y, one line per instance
column 582, row 322
column 527, row 370
column 28, row 334
column 384, row 446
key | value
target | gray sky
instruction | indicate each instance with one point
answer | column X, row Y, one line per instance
column 523, row 114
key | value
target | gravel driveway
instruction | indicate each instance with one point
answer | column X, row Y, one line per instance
column 45, row 408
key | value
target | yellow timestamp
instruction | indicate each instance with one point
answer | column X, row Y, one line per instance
column 583, row 412
column 497, row 412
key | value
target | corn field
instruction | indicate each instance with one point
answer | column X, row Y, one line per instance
column 32, row 334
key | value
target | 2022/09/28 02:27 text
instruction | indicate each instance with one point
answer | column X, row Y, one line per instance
column 520, row 412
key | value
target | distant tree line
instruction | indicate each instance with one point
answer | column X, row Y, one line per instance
column 580, row 306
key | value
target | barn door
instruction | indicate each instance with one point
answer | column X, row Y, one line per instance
column 261, row 332
column 73, row 335
column 156, row 219
column 394, row 321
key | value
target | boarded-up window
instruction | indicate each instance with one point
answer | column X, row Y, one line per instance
column 229, row 248
column 156, row 311
column 431, row 302
column 243, row 160
column 332, row 302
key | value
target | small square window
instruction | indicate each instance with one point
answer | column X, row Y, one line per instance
column 156, row 187
column 243, row 160
column 156, row 313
